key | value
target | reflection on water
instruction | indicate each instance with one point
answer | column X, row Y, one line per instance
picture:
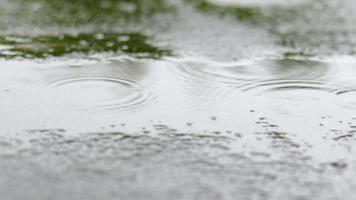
column 261, row 76
column 176, row 85
column 255, row 70
column 120, row 118
column 92, row 108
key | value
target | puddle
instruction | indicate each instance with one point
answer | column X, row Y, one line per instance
column 191, row 99
column 176, row 90
column 281, row 112
column 102, row 116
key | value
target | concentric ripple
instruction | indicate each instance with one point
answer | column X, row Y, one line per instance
column 99, row 93
column 258, row 77
column 254, row 70
column 286, row 85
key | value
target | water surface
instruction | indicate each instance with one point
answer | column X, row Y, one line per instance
column 191, row 99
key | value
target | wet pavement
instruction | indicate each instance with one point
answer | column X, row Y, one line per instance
column 172, row 99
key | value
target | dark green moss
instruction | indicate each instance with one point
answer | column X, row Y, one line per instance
column 134, row 44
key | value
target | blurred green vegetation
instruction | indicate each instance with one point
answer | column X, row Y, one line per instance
column 77, row 12
column 272, row 18
column 134, row 44
column 251, row 14
column 110, row 16
column 76, row 26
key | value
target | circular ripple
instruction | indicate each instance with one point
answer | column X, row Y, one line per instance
column 281, row 85
column 99, row 93
column 263, row 69
column 255, row 76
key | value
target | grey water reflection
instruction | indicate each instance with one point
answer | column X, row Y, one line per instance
column 153, row 100
column 122, row 121
column 259, row 76
column 90, row 86
column 108, row 86
column 99, row 92
column 173, row 85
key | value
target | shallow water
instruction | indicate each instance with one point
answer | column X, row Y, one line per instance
column 122, row 121
column 292, row 96
column 193, row 99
